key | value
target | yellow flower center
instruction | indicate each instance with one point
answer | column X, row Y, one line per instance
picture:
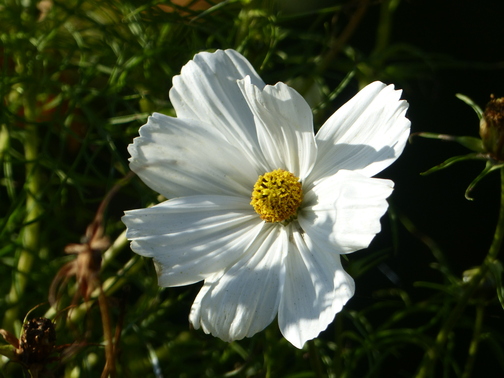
column 277, row 196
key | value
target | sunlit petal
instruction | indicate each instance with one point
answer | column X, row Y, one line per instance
column 244, row 299
column 344, row 210
column 185, row 157
column 365, row 135
column 316, row 289
column 193, row 237
column 206, row 90
column 284, row 126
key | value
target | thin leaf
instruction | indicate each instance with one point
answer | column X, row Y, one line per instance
column 471, row 103
column 490, row 167
column 454, row 159
column 472, row 143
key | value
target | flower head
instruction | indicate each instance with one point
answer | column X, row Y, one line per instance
column 492, row 128
column 259, row 207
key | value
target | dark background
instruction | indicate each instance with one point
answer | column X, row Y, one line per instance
column 470, row 32
column 465, row 42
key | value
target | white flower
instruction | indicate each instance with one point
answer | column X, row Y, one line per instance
column 315, row 198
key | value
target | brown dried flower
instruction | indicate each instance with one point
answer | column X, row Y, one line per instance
column 492, row 128
column 36, row 348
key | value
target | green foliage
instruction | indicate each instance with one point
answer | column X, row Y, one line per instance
column 77, row 80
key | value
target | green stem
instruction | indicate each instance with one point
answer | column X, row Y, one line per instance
column 110, row 368
column 5, row 160
column 118, row 245
column 114, row 283
column 338, row 353
column 109, row 287
column 337, row 44
column 387, row 10
column 433, row 353
column 473, row 348
column 315, row 359
column 495, row 248
column 31, row 231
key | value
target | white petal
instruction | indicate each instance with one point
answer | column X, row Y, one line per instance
column 343, row 211
column 244, row 300
column 193, row 237
column 316, row 288
column 206, row 90
column 367, row 134
column 284, row 125
column 185, row 157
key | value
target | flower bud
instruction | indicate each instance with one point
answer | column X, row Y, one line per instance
column 492, row 128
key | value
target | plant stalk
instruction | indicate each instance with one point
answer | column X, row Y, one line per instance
column 433, row 353
column 30, row 234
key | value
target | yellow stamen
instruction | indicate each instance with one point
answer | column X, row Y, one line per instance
column 277, row 195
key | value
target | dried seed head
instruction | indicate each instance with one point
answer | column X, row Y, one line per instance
column 37, row 342
column 492, row 128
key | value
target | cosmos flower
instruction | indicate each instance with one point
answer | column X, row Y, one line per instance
column 260, row 208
